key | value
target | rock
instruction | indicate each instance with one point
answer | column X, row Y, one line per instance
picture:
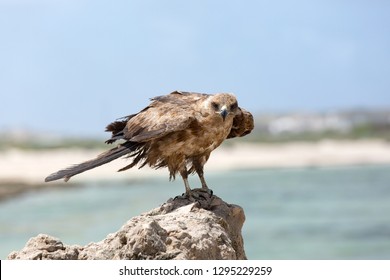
column 45, row 247
column 179, row 229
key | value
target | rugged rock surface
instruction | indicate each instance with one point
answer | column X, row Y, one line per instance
column 178, row 229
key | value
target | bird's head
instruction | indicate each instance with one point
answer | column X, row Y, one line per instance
column 223, row 104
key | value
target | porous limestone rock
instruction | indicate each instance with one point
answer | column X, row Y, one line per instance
column 179, row 229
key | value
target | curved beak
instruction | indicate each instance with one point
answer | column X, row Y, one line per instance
column 224, row 112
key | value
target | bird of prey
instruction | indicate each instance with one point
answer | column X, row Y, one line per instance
column 178, row 130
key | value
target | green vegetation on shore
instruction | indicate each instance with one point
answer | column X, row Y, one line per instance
column 65, row 143
column 360, row 132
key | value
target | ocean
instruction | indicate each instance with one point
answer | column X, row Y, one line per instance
column 291, row 213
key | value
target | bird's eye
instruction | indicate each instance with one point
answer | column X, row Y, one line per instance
column 215, row 105
column 233, row 106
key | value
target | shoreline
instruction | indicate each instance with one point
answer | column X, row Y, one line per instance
column 23, row 170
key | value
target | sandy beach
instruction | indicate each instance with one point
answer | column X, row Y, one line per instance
column 31, row 167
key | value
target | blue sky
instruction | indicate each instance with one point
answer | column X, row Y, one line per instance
column 72, row 66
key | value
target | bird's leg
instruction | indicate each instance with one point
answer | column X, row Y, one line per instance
column 199, row 170
column 192, row 195
column 184, row 175
column 203, row 181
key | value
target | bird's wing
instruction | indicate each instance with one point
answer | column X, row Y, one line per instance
column 243, row 124
column 166, row 114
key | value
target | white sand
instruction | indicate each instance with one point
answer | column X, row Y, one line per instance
column 33, row 166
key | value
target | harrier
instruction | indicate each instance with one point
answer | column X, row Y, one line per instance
column 178, row 131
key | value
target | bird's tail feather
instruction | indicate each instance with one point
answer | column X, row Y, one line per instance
column 101, row 159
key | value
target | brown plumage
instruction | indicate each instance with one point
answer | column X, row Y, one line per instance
column 178, row 131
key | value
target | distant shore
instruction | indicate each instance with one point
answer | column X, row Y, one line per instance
column 26, row 169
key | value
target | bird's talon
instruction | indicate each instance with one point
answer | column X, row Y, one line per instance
column 182, row 196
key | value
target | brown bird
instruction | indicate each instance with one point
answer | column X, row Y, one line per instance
column 178, row 131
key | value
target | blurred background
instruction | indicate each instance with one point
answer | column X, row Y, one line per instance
column 313, row 177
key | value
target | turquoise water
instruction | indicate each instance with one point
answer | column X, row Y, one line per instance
column 308, row 213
